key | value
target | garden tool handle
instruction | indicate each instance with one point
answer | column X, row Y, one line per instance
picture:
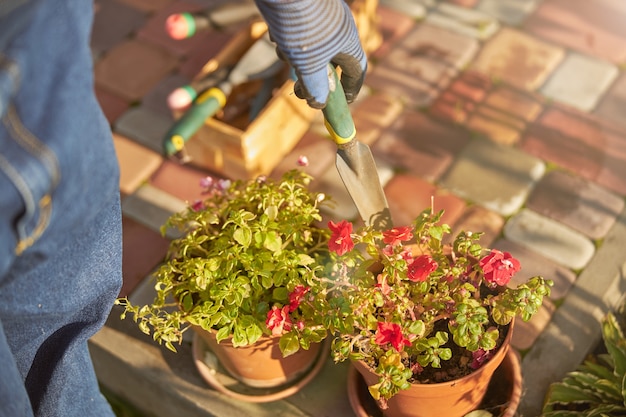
column 337, row 117
column 203, row 107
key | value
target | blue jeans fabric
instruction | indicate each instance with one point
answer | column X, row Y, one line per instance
column 60, row 220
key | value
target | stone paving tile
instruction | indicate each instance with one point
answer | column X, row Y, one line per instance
column 413, row 9
column 535, row 264
column 181, row 181
column 517, row 58
column 144, row 126
column 494, row 176
column 526, row 332
column 137, row 163
column 113, row 22
column 512, row 12
column 580, row 81
column 478, row 219
column 319, row 150
column 576, row 202
column 408, row 196
column 420, row 66
column 596, row 28
column 132, row 68
column 143, row 249
column 154, row 29
column 612, row 105
column 373, row 115
column 554, row 240
column 112, row 105
column 156, row 99
column 152, row 207
column 505, row 114
column 463, row 3
column 197, row 57
column 460, row 99
column 393, row 26
column 420, row 145
column 473, row 23
column 581, row 143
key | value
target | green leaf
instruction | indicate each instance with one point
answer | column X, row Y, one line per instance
column 280, row 294
column 243, row 236
column 289, row 344
column 273, row 242
column 222, row 334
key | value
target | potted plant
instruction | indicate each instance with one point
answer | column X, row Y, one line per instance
column 411, row 312
column 596, row 388
column 240, row 275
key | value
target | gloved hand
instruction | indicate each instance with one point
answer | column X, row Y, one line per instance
column 311, row 33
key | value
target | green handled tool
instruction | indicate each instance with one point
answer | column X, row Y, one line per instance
column 354, row 161
column 260, row 61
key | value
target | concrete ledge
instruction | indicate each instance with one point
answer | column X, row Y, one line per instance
column 164, row 384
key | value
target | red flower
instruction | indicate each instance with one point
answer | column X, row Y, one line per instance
column 397, row 235
column 340, row 241
column 421, row 268
column 295, row 297
column 499, row 267
column 391, row 333
column 278, row 320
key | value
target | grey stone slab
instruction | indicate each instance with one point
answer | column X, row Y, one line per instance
column 465, row 21
column 512, row 12
column 580, row 81
column 575, row 326
column 413, row 8
column 576, row 202
column 494, row 176
column 152, row 207
column 550, row 238
column 144, row 126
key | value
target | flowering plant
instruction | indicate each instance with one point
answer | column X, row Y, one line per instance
column 415, row 309
column 246, row 259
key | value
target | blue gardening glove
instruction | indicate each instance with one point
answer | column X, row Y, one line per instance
column 311, row 33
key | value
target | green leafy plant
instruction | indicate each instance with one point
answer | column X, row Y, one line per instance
column 244, row 266
column 417, row 310
column 598, row 387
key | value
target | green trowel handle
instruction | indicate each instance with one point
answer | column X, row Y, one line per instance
column 337, row 117
column 203, row 107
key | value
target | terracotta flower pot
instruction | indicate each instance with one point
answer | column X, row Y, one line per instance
column 451, row 399
column 260, row 365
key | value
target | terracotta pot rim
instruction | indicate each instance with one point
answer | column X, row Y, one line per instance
column 262, row 395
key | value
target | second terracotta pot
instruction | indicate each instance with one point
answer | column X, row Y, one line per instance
column 451, row 399
column 260, row 365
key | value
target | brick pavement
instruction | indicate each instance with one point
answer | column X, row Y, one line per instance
column 508, row 112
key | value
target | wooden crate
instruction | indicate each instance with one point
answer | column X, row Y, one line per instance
column 241, row 150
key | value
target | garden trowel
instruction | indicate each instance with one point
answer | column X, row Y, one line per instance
column 259, row 62
column 354, row 161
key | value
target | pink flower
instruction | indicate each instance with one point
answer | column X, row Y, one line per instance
column 480, row 357
column 421, row 268
column 295, row 297
column 303, row 161
column 197, row 205
column 499, row 267
column 397, row 235
column 391, row 333
column 278, row 320
column 340, row 241
column 385, row 289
